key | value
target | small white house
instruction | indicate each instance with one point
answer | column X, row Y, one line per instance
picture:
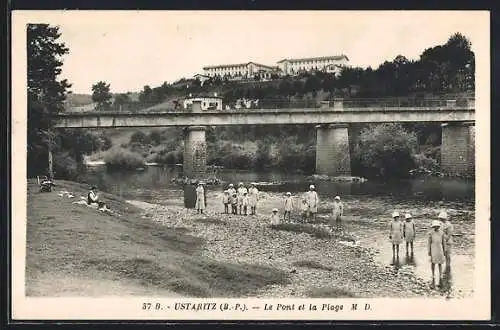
column 207, row 102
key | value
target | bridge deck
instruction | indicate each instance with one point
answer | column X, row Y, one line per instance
column 265, row 117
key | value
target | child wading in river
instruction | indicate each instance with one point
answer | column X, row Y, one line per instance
column 288, row 207
column 396, row 234
column 436, row 249
column 409, row 232
column 447, row 229
column 225, row 201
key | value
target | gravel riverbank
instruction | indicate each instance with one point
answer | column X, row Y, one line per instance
column 319, row 266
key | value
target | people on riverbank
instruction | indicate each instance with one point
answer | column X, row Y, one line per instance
column 312, row 202
column 447, row 229
column 275, row 219
column 288, row 207
column 337, row 211
column 225, row 201
column 93, row 198
column 396, row 235
column 201, row 199
column 244, row 202
column 304, row 210
column 409, row 232
column 231, row 189
column 252, row 198
column 234, row 203
column 436, row 249
column 241, row 191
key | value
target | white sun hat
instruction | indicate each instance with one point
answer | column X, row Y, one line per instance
column 436, row 223
column 337, row 198
column 311, row 187
column 443, row 215
column 407, row 216
column 288, row 193
column 395, row 214
column 275, row 210
column 231, row 185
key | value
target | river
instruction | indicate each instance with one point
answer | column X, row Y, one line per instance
column 368, row 204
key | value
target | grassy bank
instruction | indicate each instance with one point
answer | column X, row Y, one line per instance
column 73, row 250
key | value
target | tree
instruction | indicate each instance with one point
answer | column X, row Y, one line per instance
column 386, row 150
column 101, row 95
column 45, row 92
column 313, row 84
column 121, row 100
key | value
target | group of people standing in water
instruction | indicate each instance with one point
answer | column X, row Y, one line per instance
column 243, row 201
column 439, row 241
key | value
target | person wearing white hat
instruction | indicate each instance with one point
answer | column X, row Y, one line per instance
column 409, row 232
column 225, row 201
column 288, row 207
column 312, row 202
column 447, row 229
column 275, row 219
column 436, row 248
column 242, row 190
column 337, row 211
column 396, row 235
column 252, row 198
column 200, row 198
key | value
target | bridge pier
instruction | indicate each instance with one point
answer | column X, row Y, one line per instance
column 458, row 148
column 332, row 150
column 195, row 149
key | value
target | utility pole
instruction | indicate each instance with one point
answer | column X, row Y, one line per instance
column 49, row 148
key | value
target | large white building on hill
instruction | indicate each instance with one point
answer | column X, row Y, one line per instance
column 326, row 63
column 243, row 71
column 293, row 66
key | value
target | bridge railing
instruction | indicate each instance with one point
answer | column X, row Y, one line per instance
column 395, row 103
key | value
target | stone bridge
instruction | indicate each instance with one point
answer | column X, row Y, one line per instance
column 332, row 121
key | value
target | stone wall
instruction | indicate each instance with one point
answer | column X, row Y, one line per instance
column 332, row 150
column 458, row 149
column 195, row 152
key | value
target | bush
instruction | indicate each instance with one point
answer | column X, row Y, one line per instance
column 168, row 158
column 422, row 161
column 65, row 166
column 385, row 150
column 120, row 158
column 139, row 137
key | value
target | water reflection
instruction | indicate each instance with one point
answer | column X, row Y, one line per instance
column 154, row 184
column 159, row 180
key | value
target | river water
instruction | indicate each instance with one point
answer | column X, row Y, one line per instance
column 369, row 205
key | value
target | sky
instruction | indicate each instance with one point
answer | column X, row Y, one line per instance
column 129, row 50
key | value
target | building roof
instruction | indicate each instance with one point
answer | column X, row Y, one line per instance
column 203, row 96
column 235, row 65
column 335, row 58
column 201, row 75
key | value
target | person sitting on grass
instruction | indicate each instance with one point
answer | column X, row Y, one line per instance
column 93, row 198
column 275, row 219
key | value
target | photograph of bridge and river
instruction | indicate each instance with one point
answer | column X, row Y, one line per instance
column 325, row 172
